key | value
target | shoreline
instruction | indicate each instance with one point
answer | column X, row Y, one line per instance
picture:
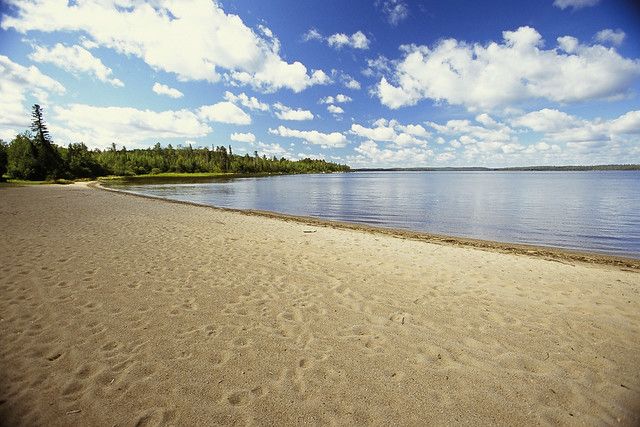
column 544, row 252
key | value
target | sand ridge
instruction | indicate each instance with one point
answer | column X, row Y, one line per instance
column 120, row 310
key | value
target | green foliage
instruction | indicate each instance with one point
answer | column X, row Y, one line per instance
column 81, row 163
column 49, row 163
column 22, row 162
column 4, row 158
column 33, row 156
column 158, row 160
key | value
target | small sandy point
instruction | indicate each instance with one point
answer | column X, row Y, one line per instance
column 120, row 310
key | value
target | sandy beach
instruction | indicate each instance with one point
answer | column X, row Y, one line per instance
column 121, row 310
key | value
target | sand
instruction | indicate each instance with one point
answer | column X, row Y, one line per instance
column 120, row 310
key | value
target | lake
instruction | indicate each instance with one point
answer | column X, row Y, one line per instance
column 596, row 211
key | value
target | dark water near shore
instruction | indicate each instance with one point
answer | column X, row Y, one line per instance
column 595, row 211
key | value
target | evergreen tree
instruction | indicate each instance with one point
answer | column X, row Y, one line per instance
column 49, row 163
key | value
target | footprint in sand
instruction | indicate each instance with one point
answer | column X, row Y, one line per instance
column 243, row 397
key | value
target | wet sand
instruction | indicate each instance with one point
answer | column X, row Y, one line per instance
column 122, row 310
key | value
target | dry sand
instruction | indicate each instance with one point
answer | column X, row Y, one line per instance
column 119, row 310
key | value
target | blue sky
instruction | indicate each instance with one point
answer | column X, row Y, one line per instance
column 367, row 83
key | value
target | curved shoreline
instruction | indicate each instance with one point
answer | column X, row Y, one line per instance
column 548, row 253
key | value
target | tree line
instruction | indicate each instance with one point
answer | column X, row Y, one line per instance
column 32, row 155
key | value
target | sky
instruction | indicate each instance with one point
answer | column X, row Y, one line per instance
column 379, row 83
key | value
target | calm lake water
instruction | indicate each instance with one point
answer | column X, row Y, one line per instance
column 589, row 211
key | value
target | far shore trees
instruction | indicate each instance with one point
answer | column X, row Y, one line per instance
column 33, row 156
column 4, row 158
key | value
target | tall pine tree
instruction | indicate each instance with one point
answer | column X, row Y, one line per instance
column 48, row 160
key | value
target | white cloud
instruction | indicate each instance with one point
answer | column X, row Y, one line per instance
column 370, row 154
column 571, row 135
column 575, row 4
column 16, row 84
column 195, row 40
column 286, row 113
column 338, row 99
column 392, row 131
column 350, row 83
column 161, row 89
column 312, row 34
column 88, row 44
column 101, row 126
column 75, row 59
column 334, row 109
column 628, row 123
column 379, row 66
column 243, row 137
column 500, row 75
column 274, row 149
column 547, row 120
column 357, row 40
column 325, row 140
column 224, row 112
column 251, row 103
column 615, row 37
column 394, row 10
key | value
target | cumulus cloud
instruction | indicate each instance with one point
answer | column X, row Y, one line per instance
column 16, row 84
column 395, row 11
column 161, row 89
column 357, row 40
column 338, row 99
column 287, row 113
column 243, row 137
column 312, row 34
column 224, row 112
column 502, row 74
column 325, row 140
column 334, row 109
column 547, row 120
column 615, row 37
column 76, row 60
column 379, row 66
column 392, row 131
column 560, row 138
column 349, row 82
column 196, row 40
column 559, row 126
column 274, row 149
column 101, row 126
column 243, row 99
column 371, row 154
column 575, row 4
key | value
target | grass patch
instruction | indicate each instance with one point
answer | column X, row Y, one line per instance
column 176, row 178
column 168, row 175
column 23, row 182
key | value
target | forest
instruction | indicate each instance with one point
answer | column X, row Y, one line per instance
column 33, row 156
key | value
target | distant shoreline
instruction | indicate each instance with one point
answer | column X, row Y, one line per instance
column 568, row 168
